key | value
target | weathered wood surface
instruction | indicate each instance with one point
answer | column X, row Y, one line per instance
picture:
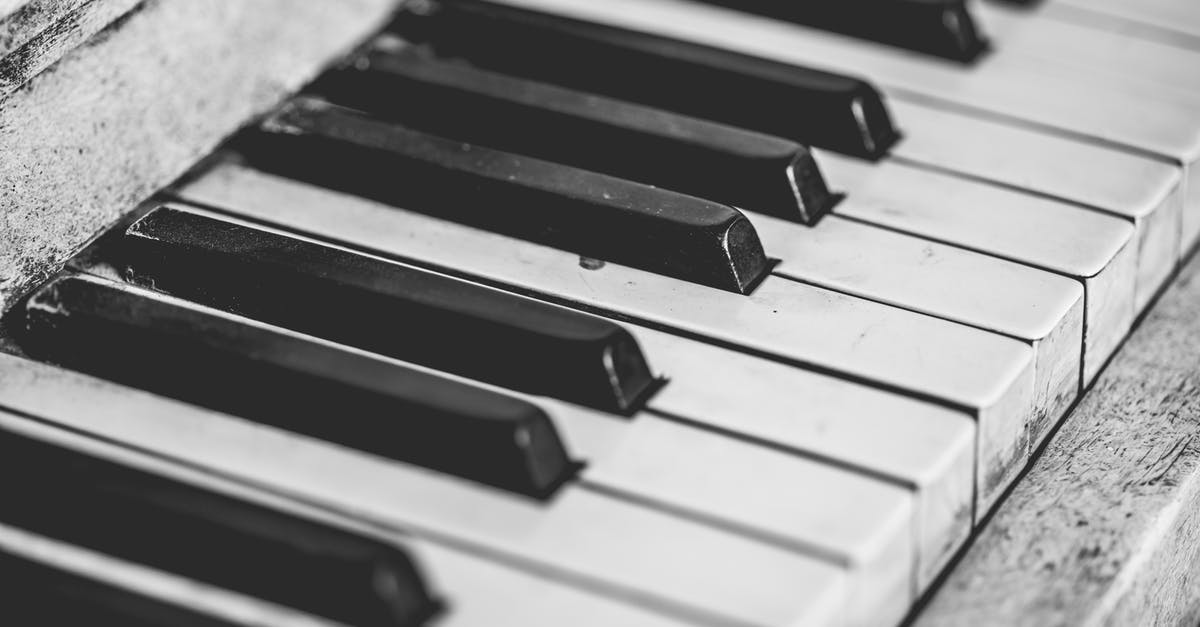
column 22, row 20
column 41, row 33
column 1105, row 528
column 132, row 109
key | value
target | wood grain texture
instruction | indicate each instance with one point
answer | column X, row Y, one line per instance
column 57, row 39
column 22, row 20
column 1105, row 528
column 114, row 121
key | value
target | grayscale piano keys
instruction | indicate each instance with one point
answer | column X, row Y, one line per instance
column 1006, row 84
column 477, row 590
column 1094, row 248
column 927, row 448
column 790, row 501
column 943, row 502
column 608, row 545
column 1037, row 307
column 1145, row 191
column 987, row 376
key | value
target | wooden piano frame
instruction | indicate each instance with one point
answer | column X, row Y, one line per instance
column 103, row 102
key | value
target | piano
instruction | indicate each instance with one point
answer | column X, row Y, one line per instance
column 637, row 312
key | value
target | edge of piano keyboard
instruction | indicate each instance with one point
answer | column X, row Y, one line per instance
column 1100, row 528
column 1104, row 528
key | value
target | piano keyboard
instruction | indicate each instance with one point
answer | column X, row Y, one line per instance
column 643, row 312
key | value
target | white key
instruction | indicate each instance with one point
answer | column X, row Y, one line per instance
column 1037, row 307
column 1173, row 21
column 1145, row 191
column 1089, row 246
column 1156, row 70
column 604, row 544
column 985, row 375
column 1004, row 83
column 928, row 448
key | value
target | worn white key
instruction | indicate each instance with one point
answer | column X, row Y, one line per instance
column 1005, row 84
column 986, row 375
column 927, row 448
column 1097, row 249
column 1158, row 71
column 597, row 542
column 1031, row 305
column 1145, row 191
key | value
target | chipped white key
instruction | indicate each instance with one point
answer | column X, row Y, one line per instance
column 1145, row 191
column 982, row 374
column 1094, row 248
column 1004, row 84
column 598, row 542
column 924, row 447
column 1034, row 306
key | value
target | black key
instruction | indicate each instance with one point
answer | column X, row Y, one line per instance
column 37, row 593
column 746, row 169
column 943, row 28
column 591, row 214
column 809, row 106
column 401, row 311
column 173, row 527
column 179, row 349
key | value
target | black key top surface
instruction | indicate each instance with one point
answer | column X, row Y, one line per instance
column 832, row 111
column 405, row 312
column 36, row 593
column 592, row 214
column 178, row 349
column 177, row 528
column 750, row 170
column 944, row 28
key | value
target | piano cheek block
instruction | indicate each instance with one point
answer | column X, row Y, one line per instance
column 178, row 349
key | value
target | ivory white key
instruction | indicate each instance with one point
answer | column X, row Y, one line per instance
column 1031, row 305
column 1089, row 246
column 928, row 448
column 1146, row 191
column 605, row 544
column 1005, row 84
column 984, row 375
column 930, row 451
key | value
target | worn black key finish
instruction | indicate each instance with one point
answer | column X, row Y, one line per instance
column 592, row 214
column 37, row 593
column 943, row 28
column 177, row 528
column 832, row 111
column 398, row 310
column 746, row 169
column 179, row 349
